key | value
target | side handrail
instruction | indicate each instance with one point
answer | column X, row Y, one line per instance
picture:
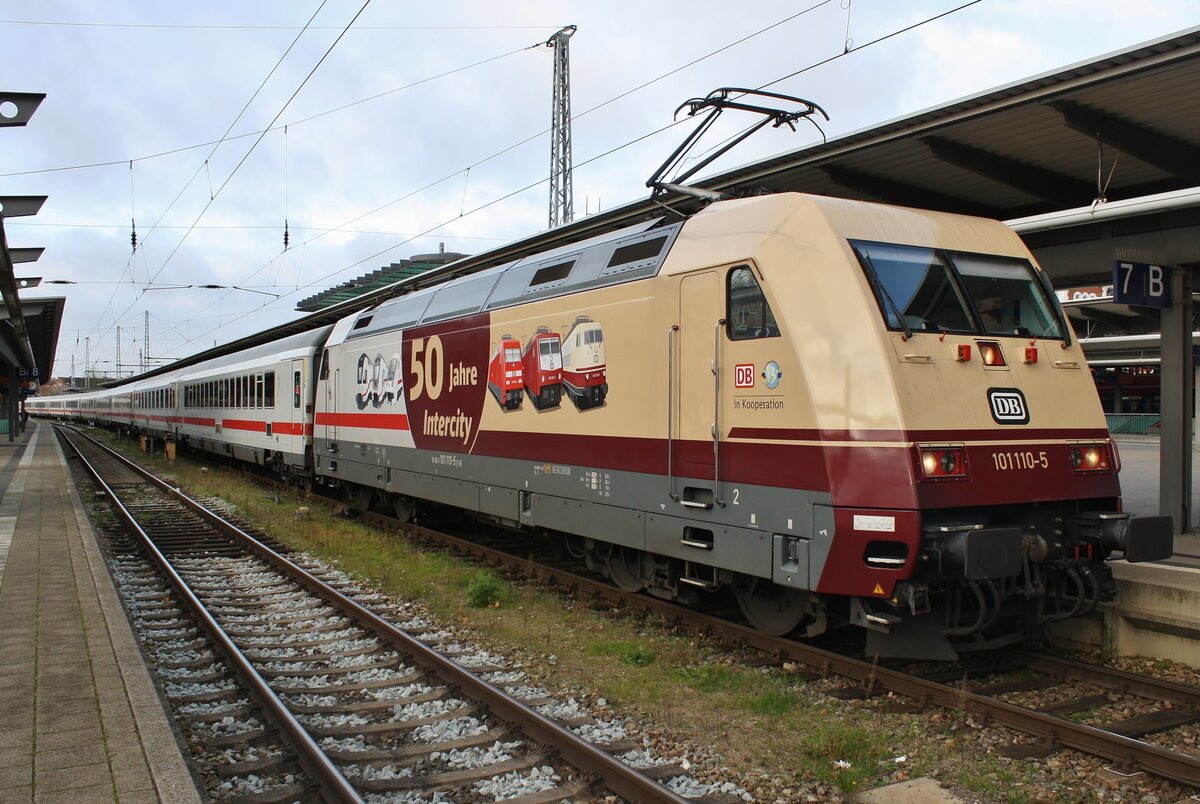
column 716, row 427
column 671, row 411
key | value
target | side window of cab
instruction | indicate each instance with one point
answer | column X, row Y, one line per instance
column 748, row 315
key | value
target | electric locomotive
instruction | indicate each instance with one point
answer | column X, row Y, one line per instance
column 843, row 413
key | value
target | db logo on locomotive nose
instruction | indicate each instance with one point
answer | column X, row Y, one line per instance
column 1008, row 406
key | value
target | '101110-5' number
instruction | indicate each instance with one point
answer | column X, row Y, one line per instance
column 1020, row 460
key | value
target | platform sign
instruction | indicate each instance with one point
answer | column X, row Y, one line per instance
column 1141, row 284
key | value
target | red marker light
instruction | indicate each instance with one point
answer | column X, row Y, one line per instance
column 964, row 352
column 1031, row 354
column 940, row 463
column 1087, row 458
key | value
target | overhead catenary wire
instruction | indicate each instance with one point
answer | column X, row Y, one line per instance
column 542, row 132
column 293, row 123
column 610, row 151
column 249, row 151
column 196, row 27
column 204, row 166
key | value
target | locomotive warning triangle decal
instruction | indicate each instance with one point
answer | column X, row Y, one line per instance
column 878, row 590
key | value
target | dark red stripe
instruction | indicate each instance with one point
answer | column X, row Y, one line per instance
column 375, row 421
column 928, row 436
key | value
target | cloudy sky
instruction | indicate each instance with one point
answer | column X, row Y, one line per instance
column 426, row 124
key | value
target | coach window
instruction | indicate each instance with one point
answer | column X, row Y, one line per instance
column 749, row 314
column 258, row 390
column 269, row 388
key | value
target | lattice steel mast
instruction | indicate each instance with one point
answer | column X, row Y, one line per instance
column 562, row 193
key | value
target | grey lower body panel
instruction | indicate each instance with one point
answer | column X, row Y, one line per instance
column 631, row 509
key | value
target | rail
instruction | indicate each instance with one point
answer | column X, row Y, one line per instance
column 314, row 760
column 1123, row 751
column 615, row 775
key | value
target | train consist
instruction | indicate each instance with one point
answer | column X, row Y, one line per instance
column 846, row 414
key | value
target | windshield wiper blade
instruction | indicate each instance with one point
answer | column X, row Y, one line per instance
column 878, row 283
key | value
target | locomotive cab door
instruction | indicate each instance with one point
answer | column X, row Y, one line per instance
column 328, row 379
column 694, row 438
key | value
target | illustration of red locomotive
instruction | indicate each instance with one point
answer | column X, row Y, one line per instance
column 505, row 373
column 542, row 361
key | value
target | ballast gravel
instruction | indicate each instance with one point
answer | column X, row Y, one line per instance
column 446, row 730
column 517, row 784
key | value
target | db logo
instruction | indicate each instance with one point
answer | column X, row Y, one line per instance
column 743, row 375
column 1008, row 406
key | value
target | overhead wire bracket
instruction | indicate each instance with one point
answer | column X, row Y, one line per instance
column 717, row 102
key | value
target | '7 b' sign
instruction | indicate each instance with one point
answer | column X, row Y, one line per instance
column 1141, row 284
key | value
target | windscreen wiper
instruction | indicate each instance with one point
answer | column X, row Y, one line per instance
column 879, row 286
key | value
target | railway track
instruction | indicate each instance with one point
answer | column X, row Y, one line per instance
column 339, row 704
column 1088, row 706
column 1054, row 702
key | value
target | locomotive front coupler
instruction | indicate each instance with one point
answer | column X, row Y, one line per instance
column 1144, row 538
column 974, row 551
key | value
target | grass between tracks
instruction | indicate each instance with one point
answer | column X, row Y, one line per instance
column 689, row 688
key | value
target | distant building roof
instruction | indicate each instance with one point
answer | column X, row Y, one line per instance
column 381, row 278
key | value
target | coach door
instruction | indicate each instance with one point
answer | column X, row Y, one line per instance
column 296, row 412
column 695, row 445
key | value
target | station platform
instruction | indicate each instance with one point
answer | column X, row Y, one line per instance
column 1157, row 609
column 80, row 720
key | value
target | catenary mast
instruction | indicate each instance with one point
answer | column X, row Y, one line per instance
column 562, row 193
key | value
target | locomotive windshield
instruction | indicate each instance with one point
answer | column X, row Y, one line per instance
column 932, row 290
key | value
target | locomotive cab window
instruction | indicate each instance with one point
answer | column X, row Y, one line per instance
column 749, row 316
column 914, row 288
column 1007, row 296
column 931, row 290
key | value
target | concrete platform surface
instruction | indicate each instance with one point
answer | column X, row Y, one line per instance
column 80, row 719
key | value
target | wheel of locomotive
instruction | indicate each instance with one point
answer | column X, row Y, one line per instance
column 361, row 497
column 773, row 609
column 625, row 569
column 405, row 507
